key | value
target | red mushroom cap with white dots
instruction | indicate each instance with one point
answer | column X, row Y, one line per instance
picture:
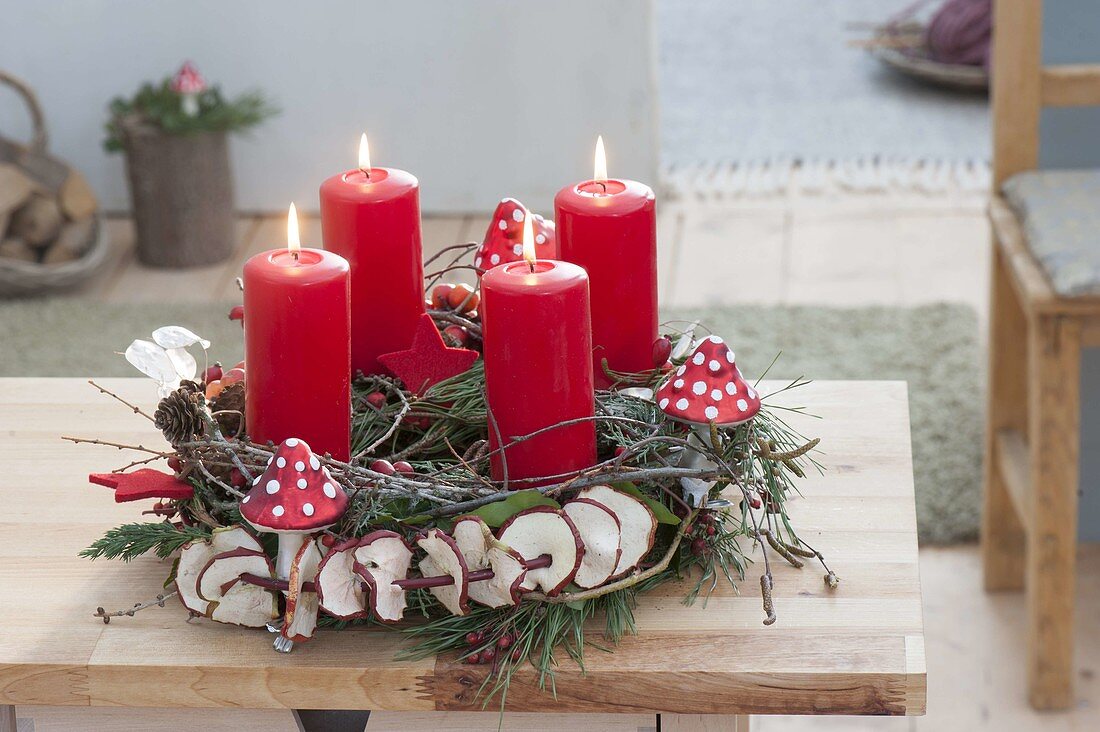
column 295, row 494
column 188, row 80
column 504, row 238
column 708, row 387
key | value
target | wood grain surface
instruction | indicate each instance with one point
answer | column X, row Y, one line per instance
column 858, row 650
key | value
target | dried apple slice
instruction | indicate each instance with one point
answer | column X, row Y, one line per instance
column 229, row 599
column 302, row 606
column 600, row 532
column 545, row 530
column 195, row 555
column 481, row 551
column 340, row 591
column 382, row 557
column 444, row 557
column 636, row 521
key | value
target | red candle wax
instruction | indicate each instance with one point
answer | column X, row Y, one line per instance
column 538, row 367
column 610, row 229
column 297, row 325
column 374, row 222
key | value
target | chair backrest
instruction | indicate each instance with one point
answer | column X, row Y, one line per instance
column 1022, row 86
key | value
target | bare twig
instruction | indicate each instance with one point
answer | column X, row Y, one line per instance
column 108, row 392
column 129, row 612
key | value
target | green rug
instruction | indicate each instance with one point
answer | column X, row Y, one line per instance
column 934, row 348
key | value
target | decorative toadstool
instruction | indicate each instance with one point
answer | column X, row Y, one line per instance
column 601, row 532
column 195, row 555
column 545, row 530
column 189, row 84
column 375, row 560
column 504, row 238
column 445, row 558
column 301, row 600
column 707, row 389
column 230, row 600
column 293, row 498
column 638, row 525
column 484, row 554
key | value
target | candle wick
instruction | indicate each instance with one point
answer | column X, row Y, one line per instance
column 365, row 172
column 294, row 253
column 603, row 186
column 532, row 266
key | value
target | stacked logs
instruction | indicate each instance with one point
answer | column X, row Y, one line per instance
column 46, row 219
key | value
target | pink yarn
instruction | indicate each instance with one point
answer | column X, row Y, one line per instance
column 961, row 32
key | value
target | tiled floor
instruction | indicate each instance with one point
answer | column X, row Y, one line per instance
column 827, row 250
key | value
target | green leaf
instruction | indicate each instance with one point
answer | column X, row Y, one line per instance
column 495, row 514
column 660, row 511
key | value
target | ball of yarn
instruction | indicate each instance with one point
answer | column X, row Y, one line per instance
column 961, row 32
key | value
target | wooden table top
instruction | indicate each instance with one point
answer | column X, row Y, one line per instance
column 857, row 650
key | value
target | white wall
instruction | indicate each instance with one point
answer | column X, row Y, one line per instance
column 478, row 98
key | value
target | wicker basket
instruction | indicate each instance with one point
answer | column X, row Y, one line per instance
column 49, row 177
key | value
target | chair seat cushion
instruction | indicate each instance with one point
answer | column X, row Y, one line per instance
column 1060, row 214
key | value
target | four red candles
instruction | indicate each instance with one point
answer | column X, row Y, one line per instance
column 297, row 347
column 538, row 365
column 609, row 227
column 371, row 217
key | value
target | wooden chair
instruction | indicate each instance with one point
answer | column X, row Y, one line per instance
column 1029, row 527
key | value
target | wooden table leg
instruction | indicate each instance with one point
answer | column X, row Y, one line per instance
column 331, row 720
column 7, row 718
column 1002, row 532
column 702, row 723
column 1054, row 426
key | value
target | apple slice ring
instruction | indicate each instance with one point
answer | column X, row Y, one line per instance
column 302, row 606
column 445, row 558
column 229, row 599
column 195, row 555
column 373, row 561
column 601, row 532
column 637, row 522
column 545, row 530
column 483, row 552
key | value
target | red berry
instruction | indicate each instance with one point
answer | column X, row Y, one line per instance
column 462, row 297
column 619, row 451
column 516, row 654
column 175, row 463
column 403, row 467
column 440, row 295
column 488, row 655
column 662, row 349
column 385, row 467
column 473, row 658
column 754, row 501
column 237, row 478
column 376, row 399
column 232, row 376
column 689, row 529
column 455, row 336
column 213, row 373
column 698, row 547
column 504, row 642
column 711, row 531
column 473, row 638
column 237, row 313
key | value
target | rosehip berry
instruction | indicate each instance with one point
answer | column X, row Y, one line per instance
column 237, row 479
column 516, row 654
column 473, row 638
column 698, row 546
column 619, row 451
column 237, row 313
column 504, row 642
column 214, row 388
column 455, row 336
column 662, row 349
column 232, row 376
column 175, row 463
column 212, row 373
column 463, row 298
column 488, row 655
column 240, row 365
column 707, row 517
column 403, row 467
column 473, row 658
column 711, row 531
column 376, row 399
column 440, row 295
column 385, row 467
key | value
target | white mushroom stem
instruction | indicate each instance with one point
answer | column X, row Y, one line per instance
column 695, row 490
column 190, row 104
column 289, row 544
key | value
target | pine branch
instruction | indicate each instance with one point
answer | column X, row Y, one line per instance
column 129, row 541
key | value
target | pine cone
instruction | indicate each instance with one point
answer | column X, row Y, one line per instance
column 230, row 401
column 179, row 415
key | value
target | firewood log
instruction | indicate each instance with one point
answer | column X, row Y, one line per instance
column 71, row 243
column 13, row 248
column 15, row 188
column 76, row 197
column 38, row 222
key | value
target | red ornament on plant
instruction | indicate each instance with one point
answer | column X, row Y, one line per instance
column 504, row 238
column 144, row 483
column 428, row 361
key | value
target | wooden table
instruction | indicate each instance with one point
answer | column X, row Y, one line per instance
column 858, row 650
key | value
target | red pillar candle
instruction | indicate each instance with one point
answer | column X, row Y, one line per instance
column 609, row 227
column 538, row 366
column 371, row 217
column 297, row 325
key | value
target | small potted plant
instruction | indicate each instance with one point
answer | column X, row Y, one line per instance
column 175, row 137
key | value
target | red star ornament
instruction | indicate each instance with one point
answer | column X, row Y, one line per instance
column 429, row 360
column 144, row 483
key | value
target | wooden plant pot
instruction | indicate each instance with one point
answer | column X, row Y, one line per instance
column 181, row 188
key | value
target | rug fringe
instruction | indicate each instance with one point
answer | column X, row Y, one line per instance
column 781, row 175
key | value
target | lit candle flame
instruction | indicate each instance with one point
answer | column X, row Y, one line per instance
column 600, row 168
column 293, row 242
column 529, row 240
column 364, row 155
